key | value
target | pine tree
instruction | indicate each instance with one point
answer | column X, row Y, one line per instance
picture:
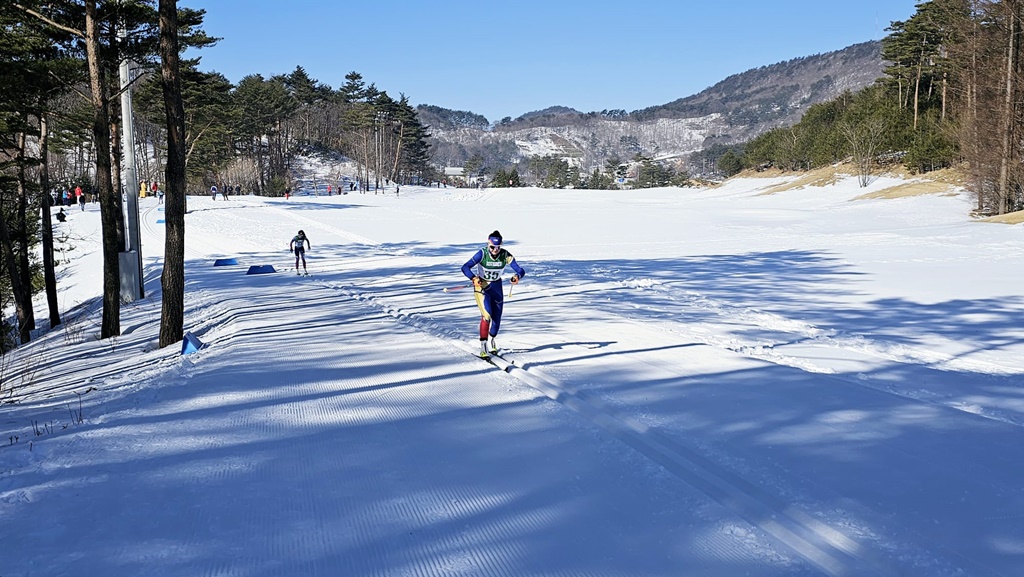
column 730, row 163
column 172, row 279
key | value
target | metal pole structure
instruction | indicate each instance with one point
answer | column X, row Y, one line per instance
column 129, row 176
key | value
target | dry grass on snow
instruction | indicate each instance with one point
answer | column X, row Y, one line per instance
column 937, row 182
column 945, row 181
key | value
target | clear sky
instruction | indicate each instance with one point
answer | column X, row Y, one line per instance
column 505, row 59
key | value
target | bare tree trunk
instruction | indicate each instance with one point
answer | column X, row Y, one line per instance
column 109, row 215
column 172, row 280
column 917, row 87
column 16, row 285
column 49, row 272
column 115, row 180
column 21, row 237
column 864, row 139
column 261, row 163
column 1008, row 112
column 398, row 151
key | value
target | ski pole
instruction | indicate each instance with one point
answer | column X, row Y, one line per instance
column 455, row 288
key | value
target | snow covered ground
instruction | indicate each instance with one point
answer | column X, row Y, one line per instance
column 705, row 382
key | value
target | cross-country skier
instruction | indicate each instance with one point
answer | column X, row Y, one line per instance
column 485, row 269
column 299, row 244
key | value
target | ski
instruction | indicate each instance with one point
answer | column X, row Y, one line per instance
column 497, row 361
column 501, row 355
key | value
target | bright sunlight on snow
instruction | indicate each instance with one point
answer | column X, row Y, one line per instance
column 745, row 380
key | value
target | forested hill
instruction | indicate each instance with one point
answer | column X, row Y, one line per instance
column 734, row 110
column 779, row 92
column 438, row 117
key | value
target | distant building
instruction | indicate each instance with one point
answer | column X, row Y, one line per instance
column 452, row 173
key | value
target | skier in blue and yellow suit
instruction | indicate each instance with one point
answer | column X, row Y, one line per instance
column 485, row 269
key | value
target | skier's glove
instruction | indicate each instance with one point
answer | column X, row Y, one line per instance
column 514, row 279
column 477, row 281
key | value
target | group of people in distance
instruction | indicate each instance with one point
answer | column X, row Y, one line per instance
column 214, row 191
column 484, row 269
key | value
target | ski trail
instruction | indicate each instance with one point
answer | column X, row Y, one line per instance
column 825, row 547
column 804, row 333
column 314, row 224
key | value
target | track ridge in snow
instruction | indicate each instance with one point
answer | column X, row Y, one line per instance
column 825, row 547
column 808, row 334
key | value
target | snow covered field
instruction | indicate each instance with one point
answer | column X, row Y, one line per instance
column 705, row 382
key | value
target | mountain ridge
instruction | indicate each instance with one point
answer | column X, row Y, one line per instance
column 732, row 111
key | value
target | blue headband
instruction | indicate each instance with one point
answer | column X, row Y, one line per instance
column 495, row 240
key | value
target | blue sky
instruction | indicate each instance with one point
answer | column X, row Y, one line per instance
column 506, row 59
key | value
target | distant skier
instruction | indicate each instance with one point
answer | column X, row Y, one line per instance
column 213, row 192
column 485, row 269
column 298, row 245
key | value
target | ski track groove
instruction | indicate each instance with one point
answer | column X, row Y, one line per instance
column 824, row 547
column 819, row 544
column 653, row 316
column 764, row 351
column 806, row 331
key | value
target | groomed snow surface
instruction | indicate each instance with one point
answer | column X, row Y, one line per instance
column 705, row 382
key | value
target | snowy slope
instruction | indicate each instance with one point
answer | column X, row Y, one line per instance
column 706, row 382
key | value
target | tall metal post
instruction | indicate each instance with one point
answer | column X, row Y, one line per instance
column 129, row 176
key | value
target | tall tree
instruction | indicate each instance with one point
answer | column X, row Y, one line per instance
column 109, row 215
column 172, row 280
column 33, row 70
column 262, row 110
column 1010, row 109
column 413, row 152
